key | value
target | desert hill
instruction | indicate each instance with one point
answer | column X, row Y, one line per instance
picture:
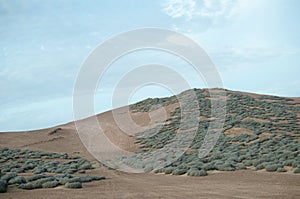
column 259, row 145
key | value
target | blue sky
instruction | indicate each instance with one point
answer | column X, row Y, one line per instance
column 253, row 43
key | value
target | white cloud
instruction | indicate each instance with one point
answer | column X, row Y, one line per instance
column 191, row 9
column 180, row 8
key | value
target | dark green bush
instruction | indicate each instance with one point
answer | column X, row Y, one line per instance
column 297, row 170
column 85, row 166
column 96, row 178
column 208, row 166
column 27, row 186
column 38, row 170
column 17, row 180
column 271, row 168
column 73, row 185
column 288, row 163
column 168, row 170
column 179, row 171
column 50, row 184
column 281, row 169
column 194, row 172
column 9, row 176
column 74, row 179
column 3, row 186
column 39, row 183
column 86, row 179
column 36, row 177
column 227, row 168
column 241, row 166
column 260, row 167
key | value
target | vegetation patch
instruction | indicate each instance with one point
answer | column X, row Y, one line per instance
column 46, row 170
column 253, row 134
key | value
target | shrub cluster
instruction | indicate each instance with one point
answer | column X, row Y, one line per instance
column 42, row 164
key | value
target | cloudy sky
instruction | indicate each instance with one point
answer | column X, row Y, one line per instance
column 254, row 44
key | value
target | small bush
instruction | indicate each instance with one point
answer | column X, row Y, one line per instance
column 241, row 166
column 85, row 166
column 168, row 170
column 297, row 170
column 96, row 178
column 50, row 184
column 90, row 178
column 36, row 177
column 27, row 186
column 86, row 179
column 179, row 171
column 64, row 175
column 197, row 173
column 71, row 171
column 227, row 168
column 38, row 170
column 281, row 169
column 3, row 186
column 73, row 185
column 288, row 163
column 208, row 166
column 17, row 180
column 271, row 168
column 74, row 179
column 260, row 167
column 9, row 176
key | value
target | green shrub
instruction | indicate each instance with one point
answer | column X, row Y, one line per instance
column 288, row 163
column 86, row 179
column 247, row 163
column 179, row 171
column 256, row 162
column 271, row 168
column 96, row 178
column 168, row 170
column 38, row 170
column 18, row 170
column 208, row 167
column 241, row 166
column 297, row 170
column 73, row 185
column 281, row 169
column 36, row 177
column 63, row 180
column 17, row 180
column 85, row 166
column 227, row 168
column 50, row 184
column 73, row 179
column 158, row 171
column 260, row 167
column 295, row 164
column 9, row 176
column 64, row 175
column 71, row 171
column 194, row 172
column 3, row 186
column 27, row 186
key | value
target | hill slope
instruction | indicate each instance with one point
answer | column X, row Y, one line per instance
column 260, row 133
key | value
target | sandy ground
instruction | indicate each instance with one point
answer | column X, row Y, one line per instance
column 237, row 184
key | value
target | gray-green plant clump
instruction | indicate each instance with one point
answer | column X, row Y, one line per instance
column 49, row 170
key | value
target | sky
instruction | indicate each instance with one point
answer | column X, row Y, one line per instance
column 254, row 44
